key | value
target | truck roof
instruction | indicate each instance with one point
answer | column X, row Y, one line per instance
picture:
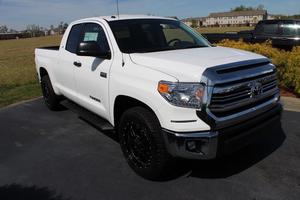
column 125, row 17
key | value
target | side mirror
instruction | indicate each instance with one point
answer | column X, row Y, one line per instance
column 91, row 48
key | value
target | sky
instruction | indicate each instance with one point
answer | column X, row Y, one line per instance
column 17, row 14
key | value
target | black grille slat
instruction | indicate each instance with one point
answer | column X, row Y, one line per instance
column 269, row 88
column 226, row 107
column 237, row 97
column 229, row 95
column 270, row 84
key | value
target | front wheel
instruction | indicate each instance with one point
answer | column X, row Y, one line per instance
column 143, row 145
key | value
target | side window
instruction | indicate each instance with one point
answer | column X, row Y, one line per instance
column 73, row 38
column 271, row 28
column 94, row 32
column 259, row 28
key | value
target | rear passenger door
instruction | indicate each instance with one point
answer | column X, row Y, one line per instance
column 92, row 76
column 64, row 72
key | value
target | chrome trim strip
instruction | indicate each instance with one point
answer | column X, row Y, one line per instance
column 222, row 122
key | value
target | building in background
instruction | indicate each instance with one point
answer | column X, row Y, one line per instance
column 236, row 18
column 194, row 22
column 233, row 18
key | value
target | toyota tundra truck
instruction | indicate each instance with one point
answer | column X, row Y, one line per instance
column 162, row 88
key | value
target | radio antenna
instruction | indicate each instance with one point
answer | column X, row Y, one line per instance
column 118, row 13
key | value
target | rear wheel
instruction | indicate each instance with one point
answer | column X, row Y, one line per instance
column 50, row 98
column 143, row 145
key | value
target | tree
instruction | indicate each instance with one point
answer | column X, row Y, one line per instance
column 34, row 30
column 194, row 23
column 12, row 31
column 287, row 16
column 3, row 29
column 65, row 26
column 245, row 8
column 260, row 7
column 242, row 8
column 60, row 27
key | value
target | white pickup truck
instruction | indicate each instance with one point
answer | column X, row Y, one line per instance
column 161, row 87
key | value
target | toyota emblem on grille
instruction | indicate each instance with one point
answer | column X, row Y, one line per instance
column 256, row 89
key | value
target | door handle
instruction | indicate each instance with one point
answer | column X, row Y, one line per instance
column 77, row 63
column 103, row 74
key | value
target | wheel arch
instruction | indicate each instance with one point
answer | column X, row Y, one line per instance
column 123, row 103
column 43, row 72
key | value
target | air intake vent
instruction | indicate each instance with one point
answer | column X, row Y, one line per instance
column 238, row 68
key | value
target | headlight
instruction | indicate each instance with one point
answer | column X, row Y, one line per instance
column 188, row 95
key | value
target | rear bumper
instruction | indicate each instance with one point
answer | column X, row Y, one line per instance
column 211, row 144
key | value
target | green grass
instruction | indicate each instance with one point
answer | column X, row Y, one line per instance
column 223, row 29
column 13, row 94
column 18, row 79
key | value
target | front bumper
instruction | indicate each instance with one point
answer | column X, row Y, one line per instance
column 214, row 143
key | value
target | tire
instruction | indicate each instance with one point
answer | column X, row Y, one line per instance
column 143, row 144
column 50, row 98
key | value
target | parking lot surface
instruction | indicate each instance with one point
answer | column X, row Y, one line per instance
column 56, row 155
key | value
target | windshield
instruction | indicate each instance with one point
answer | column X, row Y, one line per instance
column 290, row 29
column 149, row 35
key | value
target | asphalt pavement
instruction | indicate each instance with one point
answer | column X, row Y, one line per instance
column 55, row 155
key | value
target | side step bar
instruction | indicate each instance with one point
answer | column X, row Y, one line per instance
column 88, row 116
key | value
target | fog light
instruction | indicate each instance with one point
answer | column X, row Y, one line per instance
column 191, row 145
column 198, row 146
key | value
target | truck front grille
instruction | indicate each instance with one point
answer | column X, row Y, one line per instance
column 231, row 98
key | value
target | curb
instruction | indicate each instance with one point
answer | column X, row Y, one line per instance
column 291, row 104
column 19, row 103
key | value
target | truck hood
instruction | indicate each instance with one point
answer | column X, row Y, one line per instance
column 188, row 65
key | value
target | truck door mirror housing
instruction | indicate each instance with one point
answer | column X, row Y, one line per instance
column 92, row 48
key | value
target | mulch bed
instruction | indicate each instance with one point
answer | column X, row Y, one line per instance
column 287, row 93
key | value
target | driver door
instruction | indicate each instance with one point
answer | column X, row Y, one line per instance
column 92, row 73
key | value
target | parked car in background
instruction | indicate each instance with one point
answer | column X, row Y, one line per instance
column 282, row 33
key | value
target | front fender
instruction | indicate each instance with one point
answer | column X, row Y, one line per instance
column 140, row 83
